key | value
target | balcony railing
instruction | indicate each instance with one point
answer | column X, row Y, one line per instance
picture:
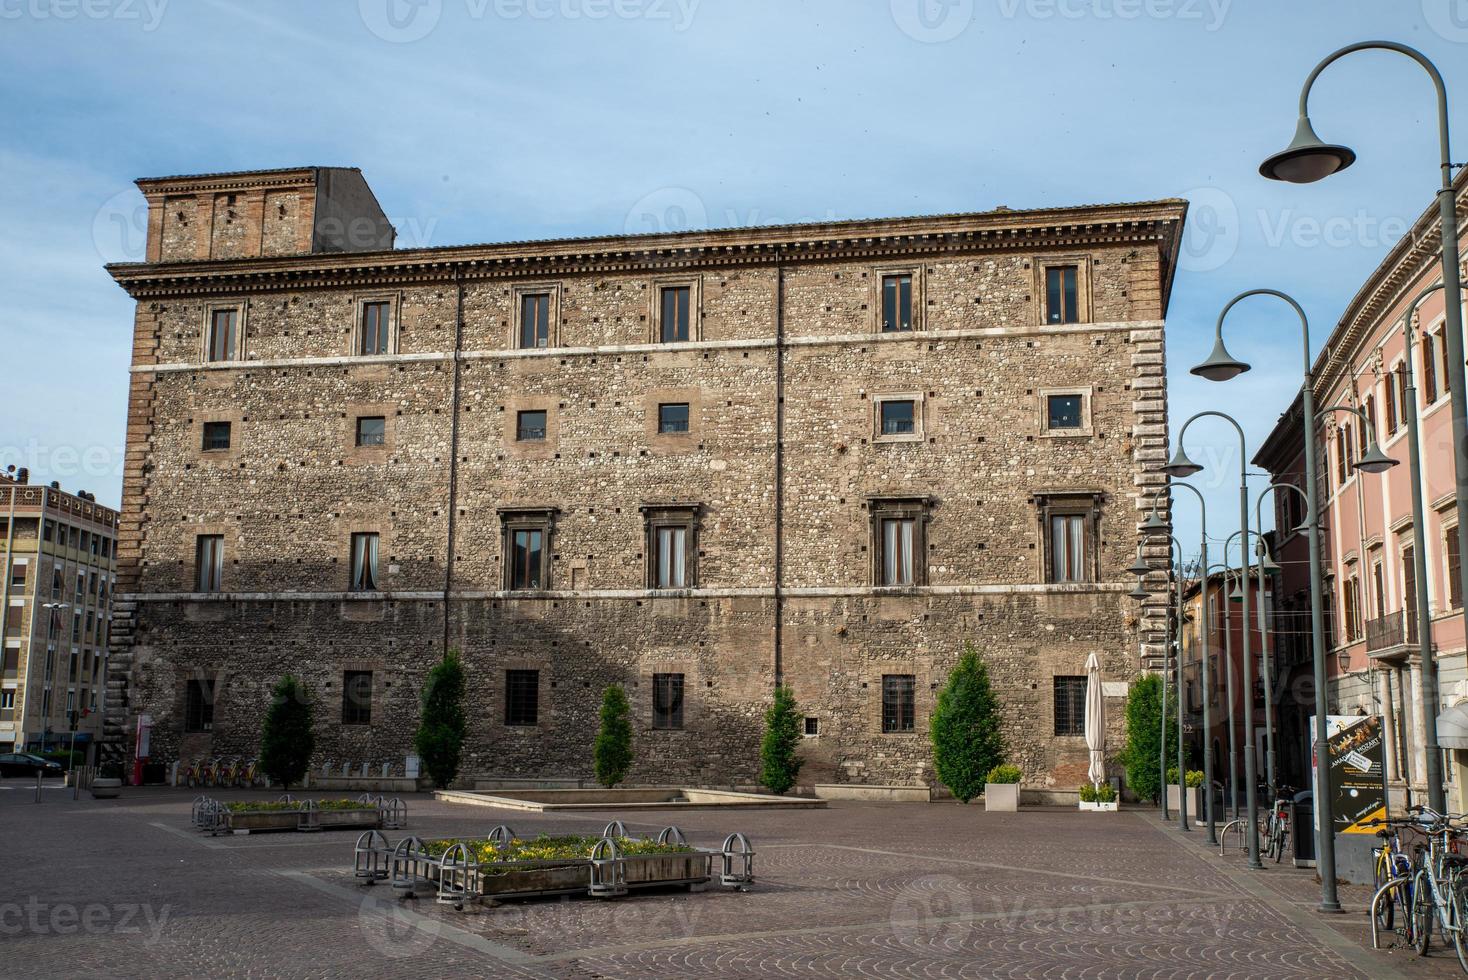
column 1392, row 630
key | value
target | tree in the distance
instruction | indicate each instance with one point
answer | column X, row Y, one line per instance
column 780, row 767
column 286, row 740
column 440, row 738
column 967, row 741
column 612, row 754
column 1144, row 734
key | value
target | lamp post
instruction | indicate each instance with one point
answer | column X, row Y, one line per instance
column 1221, row 366
column 1231, row 809
column 1174, row 645
column 1308, row 159
column 1154, row 524
column 1181, row 465
column 1266, row 668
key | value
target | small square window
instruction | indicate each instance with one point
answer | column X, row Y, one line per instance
column 522, row 698
column 371, row 430
column 530, row 426
column 1064, row 411
column 812, row 726
column 673, row 418
column 216, row 436
column 899, row 418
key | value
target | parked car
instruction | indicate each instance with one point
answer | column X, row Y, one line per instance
column 25, row 764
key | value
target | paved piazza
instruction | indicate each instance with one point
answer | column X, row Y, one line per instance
column 125, row 888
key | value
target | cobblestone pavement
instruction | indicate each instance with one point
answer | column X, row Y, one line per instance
column 125, row 888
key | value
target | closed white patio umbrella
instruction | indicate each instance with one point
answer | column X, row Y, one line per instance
column 1095, row 721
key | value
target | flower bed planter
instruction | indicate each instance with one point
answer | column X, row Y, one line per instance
column 260, row 820
column 533, row 878
column 1001, row 797
column 287, row 813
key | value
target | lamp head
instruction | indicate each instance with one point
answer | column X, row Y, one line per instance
column 1180, row 465
column 1220, row 365
column 1154, row 524
column 1140, row 566
column 1267, row 565
column 1374, row 460
column 1308, row 158
column 1140, row 594
column 1237, row 593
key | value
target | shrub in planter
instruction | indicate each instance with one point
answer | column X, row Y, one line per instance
column 1001, row 789
column 1144, row 736
column 779, row 765
column 286, row 740
column 1097, row 794
column 612, row 755
column 1005, row 773
column 967, row 742
column 440, row 737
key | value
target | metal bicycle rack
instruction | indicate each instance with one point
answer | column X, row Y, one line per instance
column 370, row 858
column 458, row 876
column 1237, row 828
column 501, row 836
column 209, row 816
column 671, row 835
column 310, row 818
column 615, row 829
column 1381, row 893
column 608, row 868
column 738, row 870
column 394, row 813
column 408, row 865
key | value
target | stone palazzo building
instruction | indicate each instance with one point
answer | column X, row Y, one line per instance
column 695, row 464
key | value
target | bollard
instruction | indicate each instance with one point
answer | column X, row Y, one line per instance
column 38, row 786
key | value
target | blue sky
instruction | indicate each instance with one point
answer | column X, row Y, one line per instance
column 483, row 120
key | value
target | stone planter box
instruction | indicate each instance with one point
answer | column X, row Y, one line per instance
column 263, row 820
column 1194, row 800
column 1001, row 797
column 106, row 788
column 1099, row 807
column 529, row 879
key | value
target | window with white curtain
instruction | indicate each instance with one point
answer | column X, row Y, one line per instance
column 897, row 556
column 899, row 541
column 364, row 562
column 671, row 572
column 671, row 534
column 1069, row 524
column 1068, row 548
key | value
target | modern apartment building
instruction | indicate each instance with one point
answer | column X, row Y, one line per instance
column 696, row 464
column 59, row 564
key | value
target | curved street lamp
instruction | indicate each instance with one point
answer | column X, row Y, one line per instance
column 1307, row 159
column 1266, row 667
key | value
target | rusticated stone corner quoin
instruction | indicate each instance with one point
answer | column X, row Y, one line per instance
column 694, row 464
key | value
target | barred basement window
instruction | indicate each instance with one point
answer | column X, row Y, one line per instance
column 667, row 701
column 216, row 436
column 899, row 703
column 522, row 698
column 199, row 706
column 357, row 697
column 812, row 726
column 1070, row 705
column 364, row 562
column 208, row 563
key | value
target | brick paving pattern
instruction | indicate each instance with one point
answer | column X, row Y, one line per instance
column 126, row 889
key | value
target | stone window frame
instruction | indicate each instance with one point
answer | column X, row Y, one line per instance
column 553, row 316
column 919, row 417
column 241, row 309
column 1058, row 503
column 1083, row 261
column 353, row 411
column 394, row 301
column 514, row 519
column 656, row 286
column 1087, row 427
column 918, row 272
column 671, row 443
column 899, row 507
column 664, row 514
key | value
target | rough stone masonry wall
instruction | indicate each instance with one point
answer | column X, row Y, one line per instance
column 292, row 488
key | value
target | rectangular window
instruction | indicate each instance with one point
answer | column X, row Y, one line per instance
column 1068, row 558
column 364, row 562
column 667, row 700
column 216, row 436
column 1402, row 407
column 357, row 697
column 535, row 320
column 1070, row 705
column 896, row 304
column 530, row 426
column 1060, row 294
column 1342, row 468
column 1368, row 428
column 199, row 706
column 7, row 699
column 17, row 575
column 1063, row 412
column 376, row 317
column 1454, row 562
column 371, row 430
column 899, row 702
column 671, row 558
column 676, row 314
column 1351, row 606
column 1390, row 401
column 1444, row 379
column 1409, row 589
column 525, row 558
column 898, row 559
column 1378, row 585
column 899, row 418
column 812, row 726
column 673, row 417
column 209, row 563
column 1429, row 368
column 522, row 697
column 223, row 325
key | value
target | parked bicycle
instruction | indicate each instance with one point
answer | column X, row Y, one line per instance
column 1394, row 861
column 1439, row 887
column 1276, row 824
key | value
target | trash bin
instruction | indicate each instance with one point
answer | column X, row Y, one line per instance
column 1302, row 829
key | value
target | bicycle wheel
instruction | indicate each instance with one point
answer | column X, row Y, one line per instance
column 1386, row 910
column 1457, row 905
column 1422, row 913
column 1282, row 838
